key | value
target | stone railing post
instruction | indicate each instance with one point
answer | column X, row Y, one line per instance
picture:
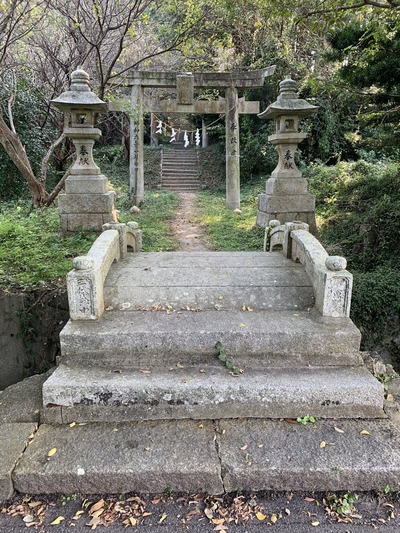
column 86, row 282
column 331, row 281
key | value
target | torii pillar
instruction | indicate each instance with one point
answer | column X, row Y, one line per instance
column 232, row 149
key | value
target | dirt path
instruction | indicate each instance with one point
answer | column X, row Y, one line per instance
column 191, row 237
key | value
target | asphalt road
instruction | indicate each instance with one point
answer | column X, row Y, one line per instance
column 293, row 514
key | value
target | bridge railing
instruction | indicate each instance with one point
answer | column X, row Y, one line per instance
column 331, row 281
column 85, row 283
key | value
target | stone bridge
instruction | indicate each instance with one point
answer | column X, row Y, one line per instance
column 190, row 369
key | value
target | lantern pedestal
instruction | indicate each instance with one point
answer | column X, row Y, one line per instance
column 87, row 203
column 287, row 198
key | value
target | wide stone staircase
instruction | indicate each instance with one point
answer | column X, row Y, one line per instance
column 179, row 169
column 195, row 373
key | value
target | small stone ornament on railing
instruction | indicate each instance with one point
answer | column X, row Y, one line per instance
column 86, row 282
column 331, row 281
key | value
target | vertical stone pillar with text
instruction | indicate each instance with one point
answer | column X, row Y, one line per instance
column 136, row 168
column 232, row 149
column 287, row 198
column 87, row 202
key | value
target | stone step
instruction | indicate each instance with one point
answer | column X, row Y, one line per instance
column 208, row 279
column 124, row 339
column 84, row 394
column 180, row 188
column 193, row 457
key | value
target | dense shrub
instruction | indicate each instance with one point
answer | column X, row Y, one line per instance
column 359, row 213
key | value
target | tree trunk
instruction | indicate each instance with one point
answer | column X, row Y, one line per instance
column 16, row 151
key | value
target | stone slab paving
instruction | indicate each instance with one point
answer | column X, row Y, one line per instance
column 13, row 441
column 191, row 456
column 116, row 458
column 269, row 455
column 213, row 393
column 22, row 402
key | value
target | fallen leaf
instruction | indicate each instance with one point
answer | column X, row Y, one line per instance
column 52, row 452
column 132, row 521
column 179, row 365
column 242, row 325
column 309, row 499
column 322, row 444
column 57, row 521
column 96, row 506
column 221, row 527
column 163, row 517
column 244, row 447
column 28, row 518
column 364, row 432
column 208, row 512
column 217, row 521
column 274, row 518
column 201, row 426
column 260, row 516
column 339, row 430
column 97, row 513
column 287, row 511
column 32, row 505
column 77, row 515
column 72, row 424
column 145, row 371
column 390, row 398
column 243, row 308
column 261, row 445
column 316, row 523
column 95, row 521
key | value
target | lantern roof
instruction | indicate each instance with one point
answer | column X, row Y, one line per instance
column 79, row 95
column 288, row 102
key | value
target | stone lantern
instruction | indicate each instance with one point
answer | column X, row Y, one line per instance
column 287, row 198
column 87, row 202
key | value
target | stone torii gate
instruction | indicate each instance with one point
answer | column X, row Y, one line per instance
column 185, row 84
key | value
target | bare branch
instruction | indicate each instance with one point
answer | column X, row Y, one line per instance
column 55, row 192
column 46, row 159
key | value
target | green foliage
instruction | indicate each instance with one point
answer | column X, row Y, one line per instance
column 376, row 304
column 226, row 360
column 32, row 253
column 156, row 211
column 343, row 505
column 359, row 217
column 304, row 420
column 227, row 230
column 360, row 206
column 32, row 127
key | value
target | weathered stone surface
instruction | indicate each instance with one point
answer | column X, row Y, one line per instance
column 283, row 456
column 213, row 393
column 288, row 203
column 208, row 281
column 202, row 298
column 170, row 338
column 332, row 288
column 115, row 458
column 13, row 440
column 86, row 203
column 12, row 350
column 286, row 186
column 86, row 184
column 22, row 402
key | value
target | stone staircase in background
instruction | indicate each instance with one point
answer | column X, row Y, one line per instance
column 179, row 169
